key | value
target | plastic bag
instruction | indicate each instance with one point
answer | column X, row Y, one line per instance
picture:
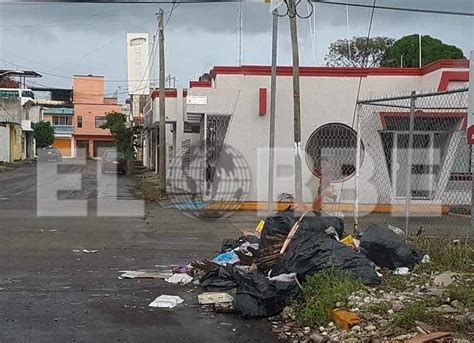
column 387, row 249
column 257, row 296
column 222, row 278
column 311, row 252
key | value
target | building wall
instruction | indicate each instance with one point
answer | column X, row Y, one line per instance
column 15, row 142
column 89, row 103
column 4, row 143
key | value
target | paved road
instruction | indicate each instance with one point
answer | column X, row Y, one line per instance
column 48, row 293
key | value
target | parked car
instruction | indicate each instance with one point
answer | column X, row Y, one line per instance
column 114, row 161
column 49, row 154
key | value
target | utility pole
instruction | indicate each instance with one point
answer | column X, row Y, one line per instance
column 296, row 100
column 162, row 131
column 271, row 150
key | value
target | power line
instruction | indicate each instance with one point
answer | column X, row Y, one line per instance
column 174, row 7
column 391, row 8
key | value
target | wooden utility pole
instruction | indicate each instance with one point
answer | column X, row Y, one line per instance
column 296, row 100
column 162, row 131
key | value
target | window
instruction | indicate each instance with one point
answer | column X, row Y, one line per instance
column 99, row 121
column 79, row 121
column 62, row 120
column 331, row 150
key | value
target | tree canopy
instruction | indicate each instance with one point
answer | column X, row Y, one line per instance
column 407, row 49
column 43, row 133
column 358, row 52
column 117, row 124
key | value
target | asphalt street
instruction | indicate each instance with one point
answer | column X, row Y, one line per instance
column 51, row 291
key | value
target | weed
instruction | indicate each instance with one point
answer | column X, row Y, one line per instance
column 407, row 316
column 321, row 293
column 149, row 190
column 463, row 293
column 445, row 254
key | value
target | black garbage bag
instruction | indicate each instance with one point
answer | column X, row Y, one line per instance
column 281, row 223
column 257, row 296
column 387, row 249
column 310, row 252
column 221, row 278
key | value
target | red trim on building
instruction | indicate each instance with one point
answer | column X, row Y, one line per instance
column 338, row 71
column 448, row 76
column 200, row 84
column 422, row 114
column 262, row 101
column 169, row 93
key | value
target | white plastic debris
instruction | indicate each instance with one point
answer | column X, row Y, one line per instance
column 90, row 251
column 182, row 279
column 397, row 230
column 402, row 271
column 284, row 277
column 139, row 274
column 426, row 259
column 166, row 301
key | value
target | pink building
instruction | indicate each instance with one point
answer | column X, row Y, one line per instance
column 90, row 109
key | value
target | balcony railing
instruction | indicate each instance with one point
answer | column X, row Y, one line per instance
column 63, row 129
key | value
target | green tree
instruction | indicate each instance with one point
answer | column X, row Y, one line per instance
column 432, row 49
column 43, row 133
column 117, row 124
column 358, row 52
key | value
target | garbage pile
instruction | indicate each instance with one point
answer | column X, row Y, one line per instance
column 265, row 269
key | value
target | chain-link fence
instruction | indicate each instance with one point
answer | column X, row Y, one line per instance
column 415, row 163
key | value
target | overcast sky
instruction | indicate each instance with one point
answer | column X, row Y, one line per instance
column 68, row 39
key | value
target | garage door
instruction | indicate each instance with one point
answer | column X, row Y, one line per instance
column 63, row 145
column 100, row 147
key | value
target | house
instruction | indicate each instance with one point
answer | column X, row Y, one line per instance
column 18, row 111
column 58, row 110
column 231, row 107
column 90, row 110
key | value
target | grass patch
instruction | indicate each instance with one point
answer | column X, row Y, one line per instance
column 420, row 311
column 321, row 293
column 445, row 254
column 149, row 190
column 463, row 293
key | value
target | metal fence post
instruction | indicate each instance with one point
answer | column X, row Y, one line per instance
column 410, row 161
column 358, row 158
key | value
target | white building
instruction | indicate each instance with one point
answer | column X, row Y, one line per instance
column 235, row 104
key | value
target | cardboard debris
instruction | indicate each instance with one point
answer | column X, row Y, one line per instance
column 166, row 301
column 214, row 298
column 130, row 274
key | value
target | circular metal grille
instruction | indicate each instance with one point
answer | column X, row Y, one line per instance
column 331, row 152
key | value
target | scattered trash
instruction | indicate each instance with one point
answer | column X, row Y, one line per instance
column 129, row 274
column 426, row 259
column 90, row 251
column 397, row 230
column 166, row 301
column 214, row 298
column 221, row 278
column 182, row 279
column 49, row 230
column 229, row 257
column 345, row 319
column 284, row 277
column 260, row 226
column 180, row 269
column 402, row 271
